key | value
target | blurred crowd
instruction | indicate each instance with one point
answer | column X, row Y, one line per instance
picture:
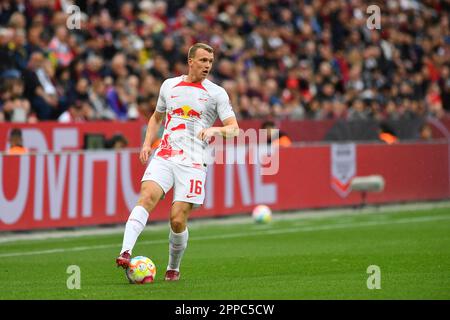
column 294, row 59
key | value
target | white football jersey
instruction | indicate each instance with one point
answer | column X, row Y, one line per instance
column 189, row 107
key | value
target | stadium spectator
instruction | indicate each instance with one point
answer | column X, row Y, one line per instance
column 39, row 87
column 425, row 132
column 281, row 139
column 15, row 107
column 358, row 111
column 78, row 111
column 444, row 86
column 117, row 142
column 386, row 134
column 59, row 46
column 96, row 97
column 116, row 99
column 16, row 142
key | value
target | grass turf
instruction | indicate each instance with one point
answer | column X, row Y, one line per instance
column 292, row 258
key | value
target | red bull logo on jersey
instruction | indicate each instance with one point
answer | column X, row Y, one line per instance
column 186, row 112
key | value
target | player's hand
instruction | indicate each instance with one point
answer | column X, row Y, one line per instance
column 207, row 134
column 145, row 154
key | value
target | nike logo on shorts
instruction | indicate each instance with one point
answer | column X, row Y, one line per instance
column 190, row 196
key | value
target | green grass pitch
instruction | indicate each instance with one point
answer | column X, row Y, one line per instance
column 294, row 257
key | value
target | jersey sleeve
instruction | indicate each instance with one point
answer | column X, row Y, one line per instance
column 224, row 108
column 161, row 104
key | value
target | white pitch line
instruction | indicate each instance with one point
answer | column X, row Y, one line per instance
column 237, row 235
column 305, row 217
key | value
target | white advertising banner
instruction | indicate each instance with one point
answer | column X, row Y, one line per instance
column 343, row 167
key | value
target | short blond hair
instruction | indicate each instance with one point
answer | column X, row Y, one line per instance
column 193, row 49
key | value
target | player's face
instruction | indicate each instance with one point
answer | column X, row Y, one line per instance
column 200, row 65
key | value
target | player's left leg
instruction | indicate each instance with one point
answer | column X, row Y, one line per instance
column 188, row 193
column 178, row 237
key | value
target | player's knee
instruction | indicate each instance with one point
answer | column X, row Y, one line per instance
column 177, row 223
column 147, row 203
column 147, row 199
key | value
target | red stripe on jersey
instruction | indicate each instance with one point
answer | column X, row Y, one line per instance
column 190, row 84
column 179, row 127
column 169, row 117
column 166, row 150
column 197, row 165
column 169, row 153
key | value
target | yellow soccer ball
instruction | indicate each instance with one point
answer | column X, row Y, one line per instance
column 141, row 270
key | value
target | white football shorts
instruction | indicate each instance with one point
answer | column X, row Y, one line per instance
column 188, row 182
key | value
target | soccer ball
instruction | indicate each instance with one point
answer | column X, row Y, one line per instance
column 141, row 270
column 262, row 214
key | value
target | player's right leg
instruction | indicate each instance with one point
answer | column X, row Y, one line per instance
column 157, row 180
column 151, row 193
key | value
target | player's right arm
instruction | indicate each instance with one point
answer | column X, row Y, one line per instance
column 153, row 124
column 152, row 130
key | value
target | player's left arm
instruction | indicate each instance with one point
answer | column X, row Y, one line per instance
column 225, row 111
column 229, row 129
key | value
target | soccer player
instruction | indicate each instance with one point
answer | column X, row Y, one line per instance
column 190, row 105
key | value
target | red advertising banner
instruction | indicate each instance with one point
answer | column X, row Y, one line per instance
column 68, row 189
column 48, row 136
column 54, row 136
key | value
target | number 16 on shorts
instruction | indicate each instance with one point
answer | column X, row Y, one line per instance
column 196, row 187
column 193, row 186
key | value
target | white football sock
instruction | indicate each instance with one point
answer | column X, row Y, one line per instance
column 133, row 228
column 177, row 245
